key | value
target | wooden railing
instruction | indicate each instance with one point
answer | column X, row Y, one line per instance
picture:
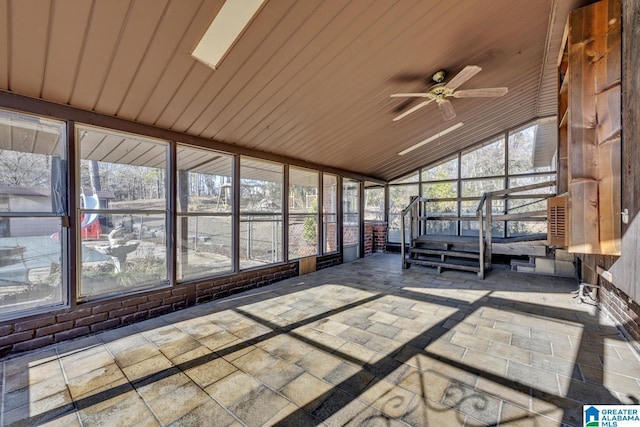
column 417, row 214
column 484, row 227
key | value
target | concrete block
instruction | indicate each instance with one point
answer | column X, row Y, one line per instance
column 563, row 255
column 545, row 266
column 565, row 268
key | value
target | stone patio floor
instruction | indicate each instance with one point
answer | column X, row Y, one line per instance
column 364, row 343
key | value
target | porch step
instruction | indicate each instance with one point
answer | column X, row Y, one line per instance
column 440, row 265
column 446, row 253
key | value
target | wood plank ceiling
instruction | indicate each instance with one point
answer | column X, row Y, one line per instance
column 308, row 79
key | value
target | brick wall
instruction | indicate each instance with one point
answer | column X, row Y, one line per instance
column 615, row 302
column 375, row 237
column 327, row 261
column 87, row 318
column 623, row 309
column 379, row 236
column 368, row 238
column 330, row 242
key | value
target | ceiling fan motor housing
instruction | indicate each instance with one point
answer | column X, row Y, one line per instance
column 439, row 76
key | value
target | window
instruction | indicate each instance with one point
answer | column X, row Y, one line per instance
column 32, row 201
column 123, row 212
column 407, row 179
column 260, row 212
column 487, row 160
column 303, row 212
column 522, row 146
column 204, row 218
column 374, row 204
column 350, row 219
column 399, row 198
column 475, row 188
column 330, row 212
column 440, row 190
column 442, row 171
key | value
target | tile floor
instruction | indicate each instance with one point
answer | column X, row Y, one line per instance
column 360, row 344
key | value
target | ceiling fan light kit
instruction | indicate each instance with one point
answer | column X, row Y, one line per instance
column 440, row 91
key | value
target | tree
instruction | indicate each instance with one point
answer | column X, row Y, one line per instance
column 18, row 169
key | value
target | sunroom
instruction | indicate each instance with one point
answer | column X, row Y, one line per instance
column 351, row 145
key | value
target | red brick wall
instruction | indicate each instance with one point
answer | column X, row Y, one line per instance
column 330, row 242
column 87, row 318
column 379, row 236
column 625, row 311
column 612, row 299
column 375, row 237
column 368, row 238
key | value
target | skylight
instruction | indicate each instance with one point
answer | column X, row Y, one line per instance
column 226, row 28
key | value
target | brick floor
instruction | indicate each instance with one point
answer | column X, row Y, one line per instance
column 364, row 343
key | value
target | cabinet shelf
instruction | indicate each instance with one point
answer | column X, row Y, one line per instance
column 564, row 87
column 563, row 120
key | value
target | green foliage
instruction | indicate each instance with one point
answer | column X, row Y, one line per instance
column 310, row 227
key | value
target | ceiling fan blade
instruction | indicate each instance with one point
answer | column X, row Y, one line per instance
column 464, row 75
column 411, row 110
column 484, row 92
column 411, row 95
column 446, row 108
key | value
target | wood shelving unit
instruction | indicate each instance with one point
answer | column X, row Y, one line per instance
column 589, row 128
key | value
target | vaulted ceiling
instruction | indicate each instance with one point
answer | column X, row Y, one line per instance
column 308, row 79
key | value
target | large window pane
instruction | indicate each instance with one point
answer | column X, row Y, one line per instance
column 440, row 190
column 407, row 179
column 442, row 227
column 399, row 198
column 374, row 204
column 204, row 226
column 522, row 145
column 470, row 207
column 350, row 219
column 123, row 209
column 260, row 240
column 475, row 188
column 523, row 228
column 442, row 208
column 537, row 179
column 330, row 212
column 487, row 160
column 132, row 256
column 261, row 212
column 443, row 171
column 32, row 200
column 303, row 212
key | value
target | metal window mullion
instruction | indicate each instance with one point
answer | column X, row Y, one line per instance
column 506, row 179
column 235, row 213
column 360, row 219
column 171, row 200
column 31, row 215
column 319, row 218
column 285, row 214
column 125, row 211
column 72, row 244
column 339, row 214
column 459, row 180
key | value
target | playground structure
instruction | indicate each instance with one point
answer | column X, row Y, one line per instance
column 90, row 226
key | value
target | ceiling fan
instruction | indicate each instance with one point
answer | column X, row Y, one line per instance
column 440, row 91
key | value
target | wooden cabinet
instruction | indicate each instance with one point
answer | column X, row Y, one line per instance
column 589, row 149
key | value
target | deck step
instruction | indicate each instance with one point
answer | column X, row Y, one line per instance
column 457, row 254
column 440, row 264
